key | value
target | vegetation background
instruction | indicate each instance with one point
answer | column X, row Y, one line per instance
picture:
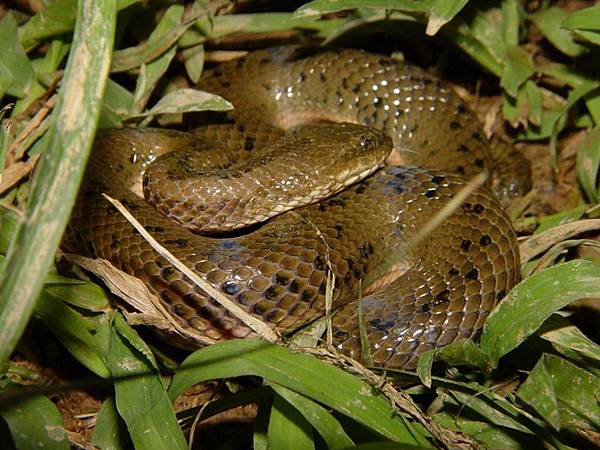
column 73, row 373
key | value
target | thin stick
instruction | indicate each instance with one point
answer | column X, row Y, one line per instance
column 255, row 324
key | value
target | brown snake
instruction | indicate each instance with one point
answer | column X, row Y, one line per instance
column 277, row 271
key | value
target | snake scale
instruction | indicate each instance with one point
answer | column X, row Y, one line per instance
column 277, row 270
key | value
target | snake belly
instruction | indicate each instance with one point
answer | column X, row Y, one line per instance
column 277, row 272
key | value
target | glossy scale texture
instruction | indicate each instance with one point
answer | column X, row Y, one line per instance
column 277, row 271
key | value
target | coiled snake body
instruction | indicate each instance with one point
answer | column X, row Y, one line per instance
column 277, row 271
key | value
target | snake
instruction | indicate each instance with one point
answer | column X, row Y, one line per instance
column 356, row 222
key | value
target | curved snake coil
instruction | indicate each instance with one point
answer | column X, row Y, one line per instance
column 277, row 271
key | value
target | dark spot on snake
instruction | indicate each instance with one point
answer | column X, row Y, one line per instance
column 264, row 60
column 366, row 250
column 340, row 96
column 239, row 62
column 323, row 207
column 465, row 245
column 322, row 288
column 295, row 286
column 319, row 262
column 225, row 83
column 425, row 307
column 249, row 143
column 378, row 102
column 442, row 297
column 356, row 88
column 337, row 202
column 479, row 163
column 477, row 136
column 282, row 279
column 461, row 109
column 382, row 325
column 241, row 128
column 339, row 228
column 259, row 309
column 228, row 244
column 385, row 62
column 478, row 208
column 176, row 242
column 340, row 335
column 430, row 193
column 460, row 170
column 454, row 125
column 437, row 179
column 347, row 277
column 472, row 274
column 361, row 188
column 322, row 77
column 306, row 295
column 396, row 186
column 301, row 76
column 500, row 294
column 462, row 148
column 153, row 229
column 272, row 292
column 453, row 271
column 167, row 272
column 345, row 83
column 485, row 240
column 111, row 209
column 266, row 86
column 114, row 245
column 218, row 71
column 230, row 287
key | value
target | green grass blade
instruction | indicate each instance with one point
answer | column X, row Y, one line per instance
column 35, row 423
column 563, row 394
column 287, row 427
column 301, row 373
column 60, row 171
column 529, row 304
column 328, row 427
column 140, row 396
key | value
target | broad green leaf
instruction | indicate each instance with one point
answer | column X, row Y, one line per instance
column 57, row 18
column 565, row 73
column 383, row 445
column 85, row 338
column 510, row 22
column 441, row 12
column 35, row 423
column 565, row 335
column 549, row 21
column 490, row 434
column 188, row 100
column 530, row 303
column 560, row 218
column 534, row 102
column 164, row 36
column 141, row 398
column 16, row 72
column 584, row 19
column 109, row 431
column 150, row 75
column 592, row 103
column 518, row 68
column 328, row 427
column 320, row 7
column 591, row 36
column 461, row 352
column 288, row 428
column 194, row 61
column 588, row 163
column 563, row 394
column 117, row 105
column 81, row 294
column 491, row 410
column 301, row 373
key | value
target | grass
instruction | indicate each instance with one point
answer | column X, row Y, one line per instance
column 531, row 382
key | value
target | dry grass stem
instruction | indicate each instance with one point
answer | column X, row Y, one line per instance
column 255, row 324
